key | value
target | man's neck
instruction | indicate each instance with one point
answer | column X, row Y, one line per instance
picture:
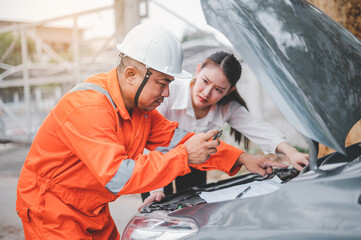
column 128, row 100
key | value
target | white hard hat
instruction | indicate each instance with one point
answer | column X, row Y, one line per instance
column 156, row 47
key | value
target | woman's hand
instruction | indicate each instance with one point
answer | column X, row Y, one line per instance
column 154, row 196
column 258, row 164
column 297, row 159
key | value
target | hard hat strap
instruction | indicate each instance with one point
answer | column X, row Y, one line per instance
column 145, row 80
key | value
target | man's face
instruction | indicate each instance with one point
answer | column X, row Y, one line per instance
column 154, row 90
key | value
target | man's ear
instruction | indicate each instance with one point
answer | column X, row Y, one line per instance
column 130, row 74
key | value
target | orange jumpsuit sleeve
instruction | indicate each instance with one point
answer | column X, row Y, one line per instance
column 90, row 133
column 223, row 160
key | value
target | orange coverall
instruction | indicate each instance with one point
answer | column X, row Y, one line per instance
column 88, row 152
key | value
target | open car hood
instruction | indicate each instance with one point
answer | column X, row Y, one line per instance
column 309, row 65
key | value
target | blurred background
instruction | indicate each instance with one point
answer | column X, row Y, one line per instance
column 48, row 46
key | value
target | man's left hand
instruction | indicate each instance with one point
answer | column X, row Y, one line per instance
column 259, row 164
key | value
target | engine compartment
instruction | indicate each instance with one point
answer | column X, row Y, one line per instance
column 191, row 196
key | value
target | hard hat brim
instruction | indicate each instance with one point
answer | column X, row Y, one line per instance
column 183, row 74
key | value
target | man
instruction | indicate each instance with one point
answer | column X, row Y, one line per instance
column 88, row 150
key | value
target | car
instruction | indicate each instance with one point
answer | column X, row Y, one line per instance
column 311, row 68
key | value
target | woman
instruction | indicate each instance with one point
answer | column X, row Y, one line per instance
column 209, row 101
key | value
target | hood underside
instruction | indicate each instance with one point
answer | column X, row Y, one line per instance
column 309, row 65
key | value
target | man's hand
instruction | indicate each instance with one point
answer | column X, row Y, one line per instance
column 258, row 164
column 154, row 196
column 199, row 148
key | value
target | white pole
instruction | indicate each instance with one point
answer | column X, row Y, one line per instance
column 76, row 53
column 27, row 98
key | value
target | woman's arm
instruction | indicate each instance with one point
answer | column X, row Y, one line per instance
column 265, row 136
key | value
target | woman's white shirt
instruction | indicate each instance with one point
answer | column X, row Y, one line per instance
column 178, row 107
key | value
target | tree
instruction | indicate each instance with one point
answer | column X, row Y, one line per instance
column 348, row 14
column 14, row 56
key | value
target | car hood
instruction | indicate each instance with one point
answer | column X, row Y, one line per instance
column 309, row 65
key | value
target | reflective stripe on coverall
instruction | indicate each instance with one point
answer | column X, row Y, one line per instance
column 88, row 152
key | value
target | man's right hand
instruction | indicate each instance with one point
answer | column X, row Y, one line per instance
column 200, row 148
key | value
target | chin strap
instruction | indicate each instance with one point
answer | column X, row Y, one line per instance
column 145, row 80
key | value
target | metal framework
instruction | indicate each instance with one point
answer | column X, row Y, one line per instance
column 61, row 72
column 21, row 124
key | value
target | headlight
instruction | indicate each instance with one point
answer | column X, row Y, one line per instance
column 158, row 225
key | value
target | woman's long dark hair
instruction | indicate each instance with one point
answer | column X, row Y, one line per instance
column 232, row 69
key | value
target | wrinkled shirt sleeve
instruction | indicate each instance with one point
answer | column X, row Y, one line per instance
column 261, row 133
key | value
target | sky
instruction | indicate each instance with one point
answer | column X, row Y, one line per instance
column 102, row 24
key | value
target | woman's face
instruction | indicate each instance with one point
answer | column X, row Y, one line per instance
column 211, row 86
